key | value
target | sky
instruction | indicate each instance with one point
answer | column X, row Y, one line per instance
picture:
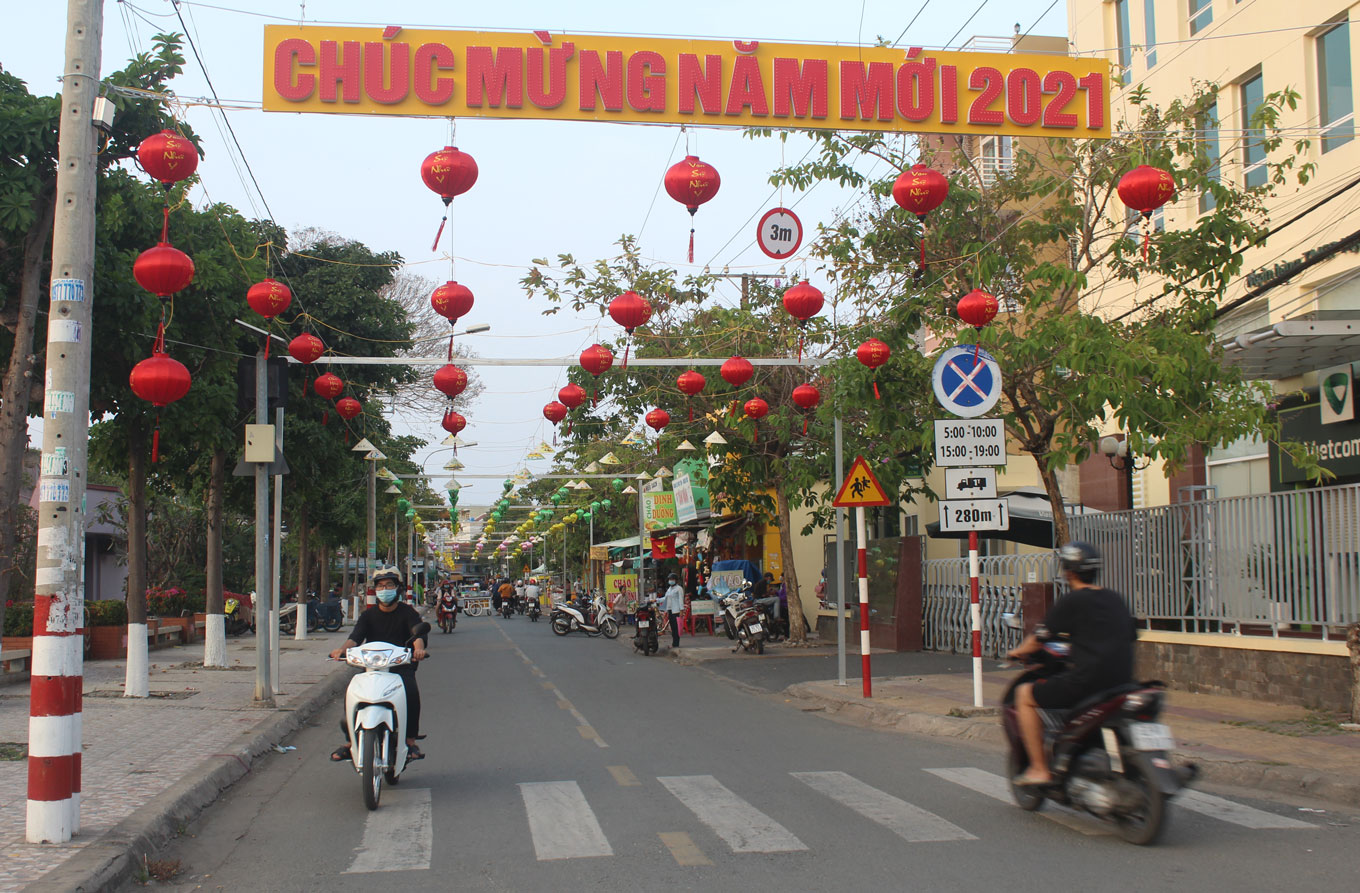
column 544, row 188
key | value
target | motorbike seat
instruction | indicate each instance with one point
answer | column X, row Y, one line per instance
column 1104, row 695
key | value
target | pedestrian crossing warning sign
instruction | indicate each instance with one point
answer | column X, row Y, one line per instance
column 860, row 488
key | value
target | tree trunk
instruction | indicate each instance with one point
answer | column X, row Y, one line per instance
column 15, row 392
column 136, row 681
column 323, row 569
column 795, row 602
column 215, row 634
column 1061, row 533
column 1353, row 645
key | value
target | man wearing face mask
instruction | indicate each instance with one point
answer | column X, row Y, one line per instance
column 391, row 621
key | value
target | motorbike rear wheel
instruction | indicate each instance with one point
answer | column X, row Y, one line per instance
column 560, row 626
column 368, row 767
column 332, row 624
column 727, row 627
column 610, row 627
column 1146, row 822
column 1027, row 798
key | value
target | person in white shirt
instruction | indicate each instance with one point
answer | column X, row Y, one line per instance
column 531, row 592
column 673, row 603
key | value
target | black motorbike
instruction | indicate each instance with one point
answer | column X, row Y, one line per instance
column 1108, row 755
column 507, row 609
column 236, row 623
column 535, row 611
column 645, row 639
column 446, row 611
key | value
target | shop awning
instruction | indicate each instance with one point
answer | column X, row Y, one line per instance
column 625, row 543
column 1293, row 347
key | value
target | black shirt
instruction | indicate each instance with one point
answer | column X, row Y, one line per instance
column 392, row 627
column 761, row 589
column 1101, row 631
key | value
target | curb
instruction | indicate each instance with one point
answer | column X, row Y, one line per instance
column 1294, row 780
column 108, row 862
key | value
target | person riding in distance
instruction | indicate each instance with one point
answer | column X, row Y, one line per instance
column 1097, row 625
column 393, row 622
column 760, row 593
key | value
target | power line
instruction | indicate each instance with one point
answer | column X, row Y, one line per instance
column 950, row 41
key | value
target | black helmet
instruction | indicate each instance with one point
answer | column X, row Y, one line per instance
column 1080, row 559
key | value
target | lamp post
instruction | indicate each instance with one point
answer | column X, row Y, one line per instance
column 1116, row 448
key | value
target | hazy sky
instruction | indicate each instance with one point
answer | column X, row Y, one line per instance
column 544, row 187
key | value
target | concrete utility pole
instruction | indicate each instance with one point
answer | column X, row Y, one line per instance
column 276, row 557
column 372, row 559
column 53, row 813
column 264, row 687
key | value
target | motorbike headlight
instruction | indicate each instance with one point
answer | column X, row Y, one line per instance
column 375, row 660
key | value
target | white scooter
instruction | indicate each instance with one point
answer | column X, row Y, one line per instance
column 375, row 714
column 566, row 617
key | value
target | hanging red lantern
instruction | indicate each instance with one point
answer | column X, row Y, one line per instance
column 737, row 371
column 873, row 353
column 977, row 308
column 692, row 182
column 306, row 348
column 920, row 190
column 163, row 270
column 690, row 383
column 269, row 298
column 452, row 301
column 453, row 422
column 803, row 301
column 554, row 412
column 572, row 395
column 756, row 409
column 328, row 385
column 160, row 380
column 657, row 419
column 347, row 408
column 806, row 397
column 1145, row 189
column 448, row 173
column 167, row 157
column 450, row 380
column 630, row 310
column 596, row 359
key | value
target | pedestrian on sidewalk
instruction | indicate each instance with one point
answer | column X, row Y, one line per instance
column 673, row 603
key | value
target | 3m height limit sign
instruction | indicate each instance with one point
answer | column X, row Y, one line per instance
column 586, row 77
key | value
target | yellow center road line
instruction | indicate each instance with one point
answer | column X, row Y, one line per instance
column 624, row 776
column 682, row 848
column 564, row 704
column 583, row 726
column 588, row 733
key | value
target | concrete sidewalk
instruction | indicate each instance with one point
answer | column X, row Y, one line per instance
column 1235, row 741
column 150, row 765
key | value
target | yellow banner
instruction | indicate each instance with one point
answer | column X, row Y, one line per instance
column 651, row 80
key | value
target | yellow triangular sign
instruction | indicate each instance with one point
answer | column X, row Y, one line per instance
column 861, row 489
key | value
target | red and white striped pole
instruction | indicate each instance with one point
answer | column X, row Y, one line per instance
column 54, row 712
column 975, row 611
column 862, row 562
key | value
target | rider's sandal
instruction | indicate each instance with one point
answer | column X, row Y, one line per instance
column 414, row 753
column 341, row 754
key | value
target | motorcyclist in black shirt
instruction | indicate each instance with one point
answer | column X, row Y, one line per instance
column 1098, row 627
column 392, row 621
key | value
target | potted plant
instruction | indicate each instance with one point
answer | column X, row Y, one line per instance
column 106, row 625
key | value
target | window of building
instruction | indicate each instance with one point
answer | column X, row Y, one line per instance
column 1336, row 106
column 995, row 157
column 1150, row 32
column 1121, row 23
column 1253, row 149
column 1208, row 141
column 1201, row 15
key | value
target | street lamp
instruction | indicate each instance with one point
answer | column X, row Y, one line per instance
column 1113, row 448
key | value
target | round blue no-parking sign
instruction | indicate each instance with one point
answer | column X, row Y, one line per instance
column 967, row 381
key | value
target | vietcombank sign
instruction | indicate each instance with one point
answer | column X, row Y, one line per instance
column 481, row 74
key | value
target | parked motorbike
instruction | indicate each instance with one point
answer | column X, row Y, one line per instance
column 1108, row 755
column 375, row 713
column 645, row 639
column 535, row 611
column 446, row 612
column 742, row 620
column 328, row 616
column 236, row 624
column 593, row 622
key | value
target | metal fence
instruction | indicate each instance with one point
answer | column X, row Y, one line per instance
column 947, row 625
column 1248, row 564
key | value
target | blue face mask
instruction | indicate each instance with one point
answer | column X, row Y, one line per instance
column 387, row 596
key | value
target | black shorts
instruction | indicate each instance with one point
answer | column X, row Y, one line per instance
column 1061, row 691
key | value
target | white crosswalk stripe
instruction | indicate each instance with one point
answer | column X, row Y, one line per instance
column 999, row 788
column 398, row 835
column 561, row 821
column 1237, row 813
column 909, row 822
column 739, row 824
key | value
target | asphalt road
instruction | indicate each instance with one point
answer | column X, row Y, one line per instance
column 570, row 763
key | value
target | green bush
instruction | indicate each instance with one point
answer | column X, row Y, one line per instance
column 107, row 612
column 19, row 620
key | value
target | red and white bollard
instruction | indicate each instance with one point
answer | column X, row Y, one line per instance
column 975, row 612
column 54, row 723
column 862, row 563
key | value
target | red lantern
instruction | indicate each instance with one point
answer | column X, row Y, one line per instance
column 450, row 380
column 269, row 298
column 1145, row 189
column 306, row 348
column 596, row 359
column 160, row 380
column 658, row 419
column 803, row 301
column 692, row 182
column 163, row 270
column 977, row 308
column 328, row 386
column 449, row 173
column 873, row 353
column 806, row 397
column 630, row 310
column 348, row 407
column 690, row 383
column 453, row 422
column 554, row 412
column 920, row 190
column 572, row 395
column 756, row 409
column 451, row 301
column 167, row 157
column 737, row 371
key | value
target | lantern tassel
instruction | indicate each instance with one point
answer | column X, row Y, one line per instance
column 627, row 344
column 876, row 397
column 594, row 397
column 443, row 220
column 691, row 410
column 691, row 244
column 757, row 427
column 921, row 266
column 165, row 222
column 156, row 440
column 1147, row 234
column 658, row 446
column 450, row 347
column 805, row 424
column 325, row 417
column 800, row 347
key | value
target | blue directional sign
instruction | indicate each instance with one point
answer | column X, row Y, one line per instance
column 967, row 381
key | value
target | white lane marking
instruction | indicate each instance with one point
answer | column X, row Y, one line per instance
column 910, row 822
column 561, row 821
column 998, row 788
column 582, row 724
column 743, row 827
column 398, row 835
column 1237, row 813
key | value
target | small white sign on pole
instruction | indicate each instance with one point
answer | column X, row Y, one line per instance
column 964, row 515
column 970, row 483
column 964, row 442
